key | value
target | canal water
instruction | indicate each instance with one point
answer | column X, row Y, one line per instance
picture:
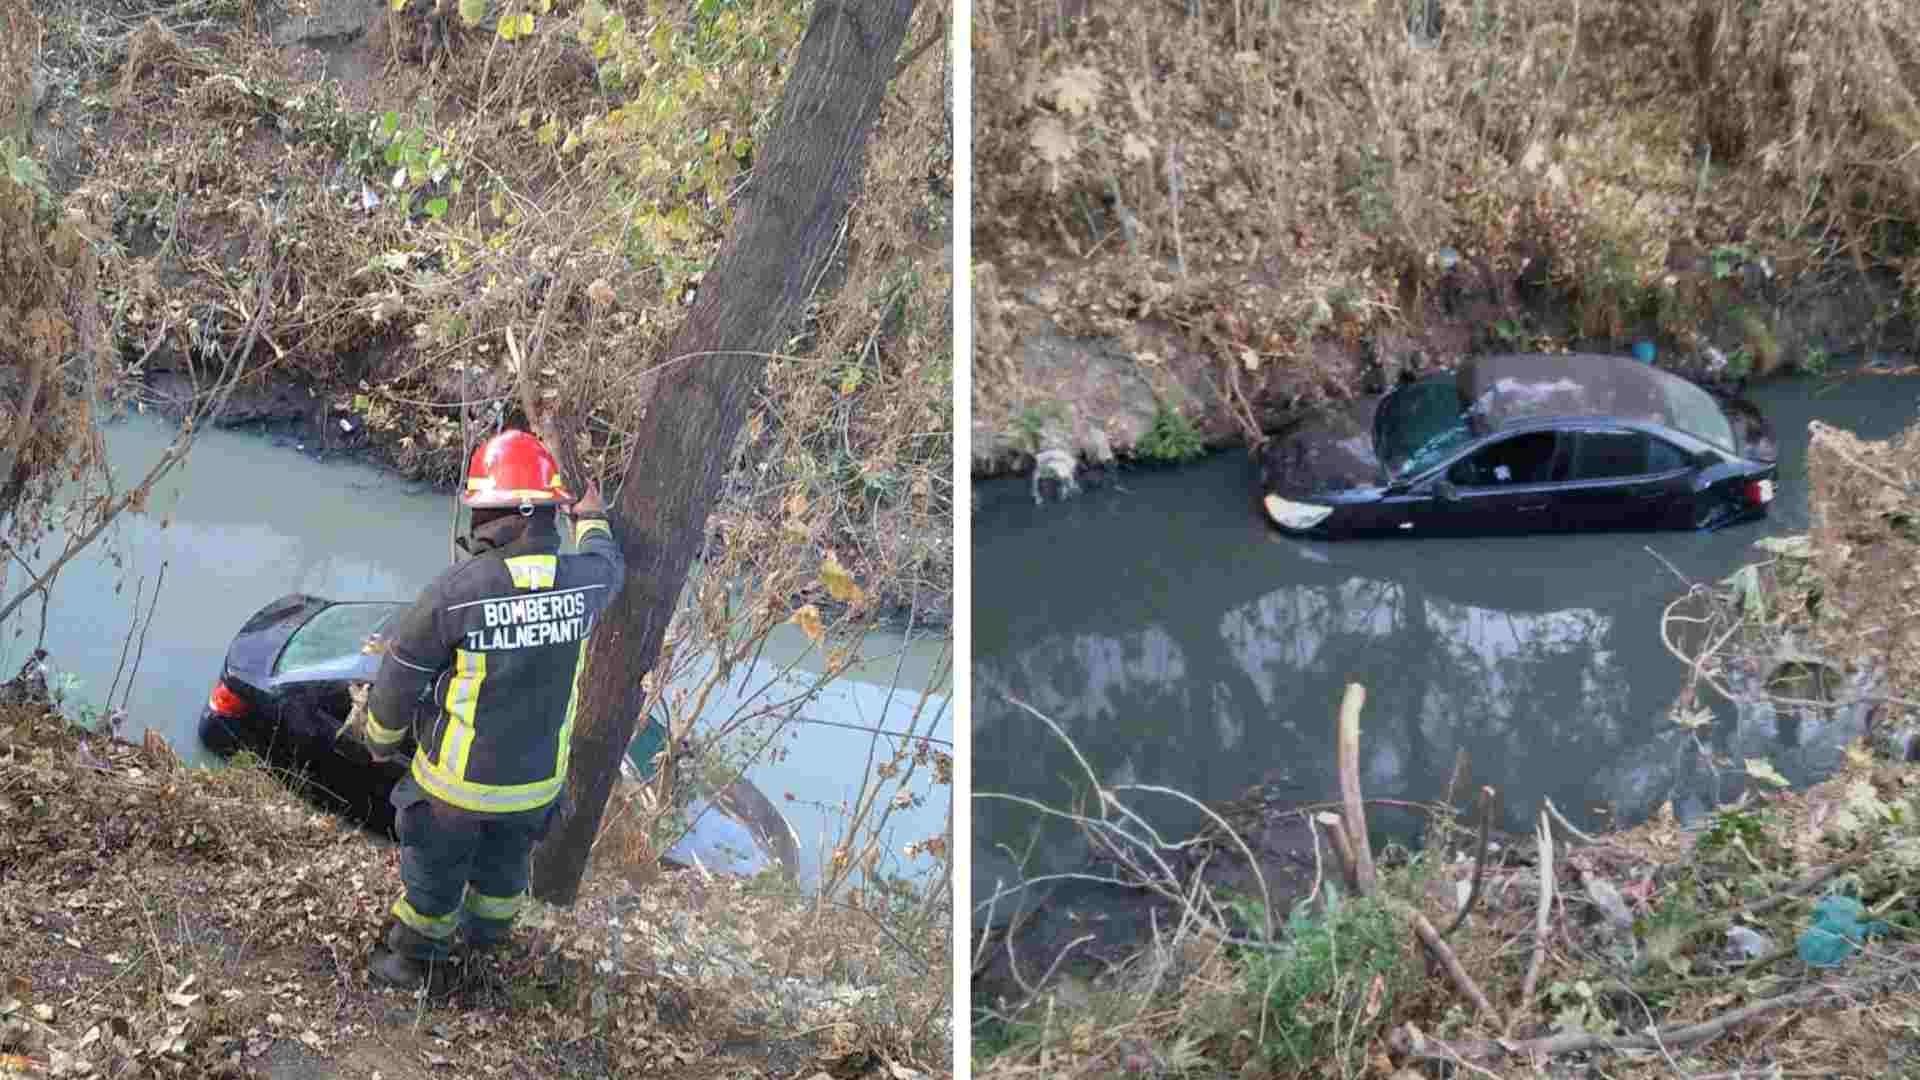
column 246, row 519
column 1180, row 641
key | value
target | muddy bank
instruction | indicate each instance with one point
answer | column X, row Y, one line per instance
column 1069, row 391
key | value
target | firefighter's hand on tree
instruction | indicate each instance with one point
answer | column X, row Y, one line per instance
column 589, row 501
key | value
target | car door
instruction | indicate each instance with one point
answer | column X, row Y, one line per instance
column 1507, row 485
column 1622, row 478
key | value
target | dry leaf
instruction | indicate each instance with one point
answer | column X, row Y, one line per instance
column 1076, row 90
column 1137, row 95
column 1051, row 140
column 1136, row 147
column 807, row 618
column 1375, row 993
column 840, row 584
column 1762, row 769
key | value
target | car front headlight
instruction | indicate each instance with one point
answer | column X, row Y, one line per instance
column 1293, row 515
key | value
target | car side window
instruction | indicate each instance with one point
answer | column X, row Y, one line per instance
column 1527, row 458
column 1610, row 455
column 1664, row 457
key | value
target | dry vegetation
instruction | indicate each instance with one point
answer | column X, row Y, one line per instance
column 173, row 921
column 1238, row 196
column 501, row 213
column 1455, row 960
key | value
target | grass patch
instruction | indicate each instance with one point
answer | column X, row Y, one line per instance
column 1172, row 438
column 1331, row 988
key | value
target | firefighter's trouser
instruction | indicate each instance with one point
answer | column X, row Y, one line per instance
column 462, row 871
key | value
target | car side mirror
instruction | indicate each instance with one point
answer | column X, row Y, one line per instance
column 1444, row 488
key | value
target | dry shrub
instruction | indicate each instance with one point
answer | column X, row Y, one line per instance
column 50, row 335
column 1263, row 175
column 560, row 196
column 1866, row 550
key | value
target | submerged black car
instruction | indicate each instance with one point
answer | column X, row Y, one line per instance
column 286, row 691
column 1523, row 443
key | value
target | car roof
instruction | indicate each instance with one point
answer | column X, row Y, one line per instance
column 1507, row 389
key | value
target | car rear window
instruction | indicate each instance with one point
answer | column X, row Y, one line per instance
column 1693, row 410
column 336, row 632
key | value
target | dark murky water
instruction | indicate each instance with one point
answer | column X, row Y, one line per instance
column 1182, row 642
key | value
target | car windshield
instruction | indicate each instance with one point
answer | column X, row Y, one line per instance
column 336, row 632
column 1694, row 411
column 1418, row 425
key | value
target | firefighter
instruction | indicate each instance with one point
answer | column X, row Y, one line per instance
column 479, row 681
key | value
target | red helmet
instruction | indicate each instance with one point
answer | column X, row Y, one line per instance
column 513, row 470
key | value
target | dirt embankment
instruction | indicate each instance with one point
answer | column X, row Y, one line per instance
column 163, row 920
column 1188, row 227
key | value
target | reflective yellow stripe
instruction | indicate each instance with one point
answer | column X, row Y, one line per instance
column 573, row 701
column 497, row 908
column 533, row 571
column 443, row 782
column 437, row 927
column 593, row 525
column 463, row 690
column 484, row 798
column 381, row 735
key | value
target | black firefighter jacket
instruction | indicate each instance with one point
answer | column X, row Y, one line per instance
column 500, row 640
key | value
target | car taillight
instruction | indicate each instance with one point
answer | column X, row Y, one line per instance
column 225, row 702
column 1759, row 492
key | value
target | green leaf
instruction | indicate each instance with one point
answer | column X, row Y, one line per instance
column 1746, row 582
column 742, row 147
column 1762, row 769
column 360, row 403
column 437, row 208
column 473, row 12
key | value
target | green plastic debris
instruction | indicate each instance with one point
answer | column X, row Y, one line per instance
column 1839, row 926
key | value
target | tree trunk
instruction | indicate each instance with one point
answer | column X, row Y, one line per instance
column 747, row 306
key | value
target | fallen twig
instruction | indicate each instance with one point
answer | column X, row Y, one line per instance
column 1560, row 819
column 1408, row 1041
column 1342, row 848
column 1356, row 813
column 1450, row 964
column 1479, row 861
column 1541, row 915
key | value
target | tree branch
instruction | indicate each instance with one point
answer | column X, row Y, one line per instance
column 1407, row 1041
column 1356, row 812
column 1479, row 861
